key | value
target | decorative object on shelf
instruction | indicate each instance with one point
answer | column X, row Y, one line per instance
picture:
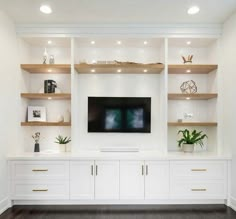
column 45, row 56
column 51, row 59
column 63, row 141
column 188, row 87
column 135, row 63
column 60, row 118
column 187, row 60
column 189, row 139
column 36, row 138
column 188, row 116
column 67, row 116
column 49, row 86
column 36, row 114
column 180, row 120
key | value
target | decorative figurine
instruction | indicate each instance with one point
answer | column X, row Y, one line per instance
column 45, row 56
column 188, row 87
column 51, row 59
column 187, row 60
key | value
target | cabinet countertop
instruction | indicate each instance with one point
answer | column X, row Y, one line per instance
column 97, row 155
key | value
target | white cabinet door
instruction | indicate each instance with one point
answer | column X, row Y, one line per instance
column 82, row 179
column 156, row 179
column 132, row 180
column 107, row 180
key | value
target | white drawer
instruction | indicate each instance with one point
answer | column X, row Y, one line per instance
column 206, row 189
column 40, row 190
column 198, row 170
column 45, row 170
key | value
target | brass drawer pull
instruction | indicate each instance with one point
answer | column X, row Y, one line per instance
column 198, row 170
column 40, row 190
column 40, row 170
column 198, row 190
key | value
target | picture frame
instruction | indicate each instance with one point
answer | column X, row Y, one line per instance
column 37, row 114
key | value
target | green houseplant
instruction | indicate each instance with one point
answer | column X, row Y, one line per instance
column 189, row 139
column 63, row 141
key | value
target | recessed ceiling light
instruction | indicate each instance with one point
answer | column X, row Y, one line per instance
column 193, row 10
column 145, row 42
column 119, row 42
column 119, row 70
column 46, row 9
column 49, row 42
column 188, row 98
column 49, row 70
column 92, row 42
column 49, row 98
column 188, row 42
column 188, row 70
column 145, row 70
column 92, row 70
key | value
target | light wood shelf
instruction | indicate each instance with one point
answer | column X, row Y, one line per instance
column 192, row 123
column 193, row 68
column 123, row 68
column 198, row 96
column 45, row 124
column 47, row 96
column 47, row 68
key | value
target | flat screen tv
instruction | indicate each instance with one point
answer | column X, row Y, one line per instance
column 119, row 114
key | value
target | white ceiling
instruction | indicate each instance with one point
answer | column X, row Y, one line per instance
column 118, row 11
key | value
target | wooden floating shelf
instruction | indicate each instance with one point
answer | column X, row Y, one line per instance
column 48, row 96
column 119, row 68
column 191, row 69
column 47, row 68
column 198, row 96
column 192, row 123
column 45, row 124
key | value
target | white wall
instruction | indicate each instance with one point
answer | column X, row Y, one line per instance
column 228, row 79
column 9, row 99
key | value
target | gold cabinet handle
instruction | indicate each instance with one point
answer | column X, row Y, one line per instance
column 198, row 190
column 40, row 170
column 40, row 190
column 198, row 170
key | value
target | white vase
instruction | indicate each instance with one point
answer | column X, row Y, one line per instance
column 188, row 148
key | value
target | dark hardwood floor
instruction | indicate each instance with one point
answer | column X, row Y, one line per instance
column 120, row 212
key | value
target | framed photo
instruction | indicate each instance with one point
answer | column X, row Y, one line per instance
column 36, row 114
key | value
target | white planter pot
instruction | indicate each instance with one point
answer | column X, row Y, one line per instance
column 189, row 148
column 64, row 148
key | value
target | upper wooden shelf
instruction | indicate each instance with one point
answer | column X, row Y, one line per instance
column 47, row 68
column 119, row 68
column 45, row 124
column 192, row 123
column 198, row 96
column 48, row 96
column 191, row 69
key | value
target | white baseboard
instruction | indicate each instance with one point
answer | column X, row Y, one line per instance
column 4, row 205
column 233, row 203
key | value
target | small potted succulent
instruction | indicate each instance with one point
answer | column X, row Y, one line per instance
column 63, row 141
column 189, row 139
column 36, row 138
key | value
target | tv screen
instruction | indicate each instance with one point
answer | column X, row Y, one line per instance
column 119, row 114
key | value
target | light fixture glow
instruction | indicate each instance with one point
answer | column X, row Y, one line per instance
column 188, row 42
column 188, row 70
column 119, row 42
column 49, row 70
column 46, row 9
column 188, row 98
column 119, row 70
column 145, row 70
column 93, row 70
column 49, row 42
column 92, row 42
column 193, row 10
column 49, row 98
column 145, row 42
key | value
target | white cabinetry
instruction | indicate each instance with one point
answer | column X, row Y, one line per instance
column 107, row 180
column 82, row 180
column 132, row 180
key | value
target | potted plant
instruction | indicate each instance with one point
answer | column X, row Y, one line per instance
column 63, row 141
column 36, row 138
column 189, row 139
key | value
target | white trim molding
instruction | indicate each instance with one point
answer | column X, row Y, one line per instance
column 233, row 203
column 4, row 205
column 130, row 30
